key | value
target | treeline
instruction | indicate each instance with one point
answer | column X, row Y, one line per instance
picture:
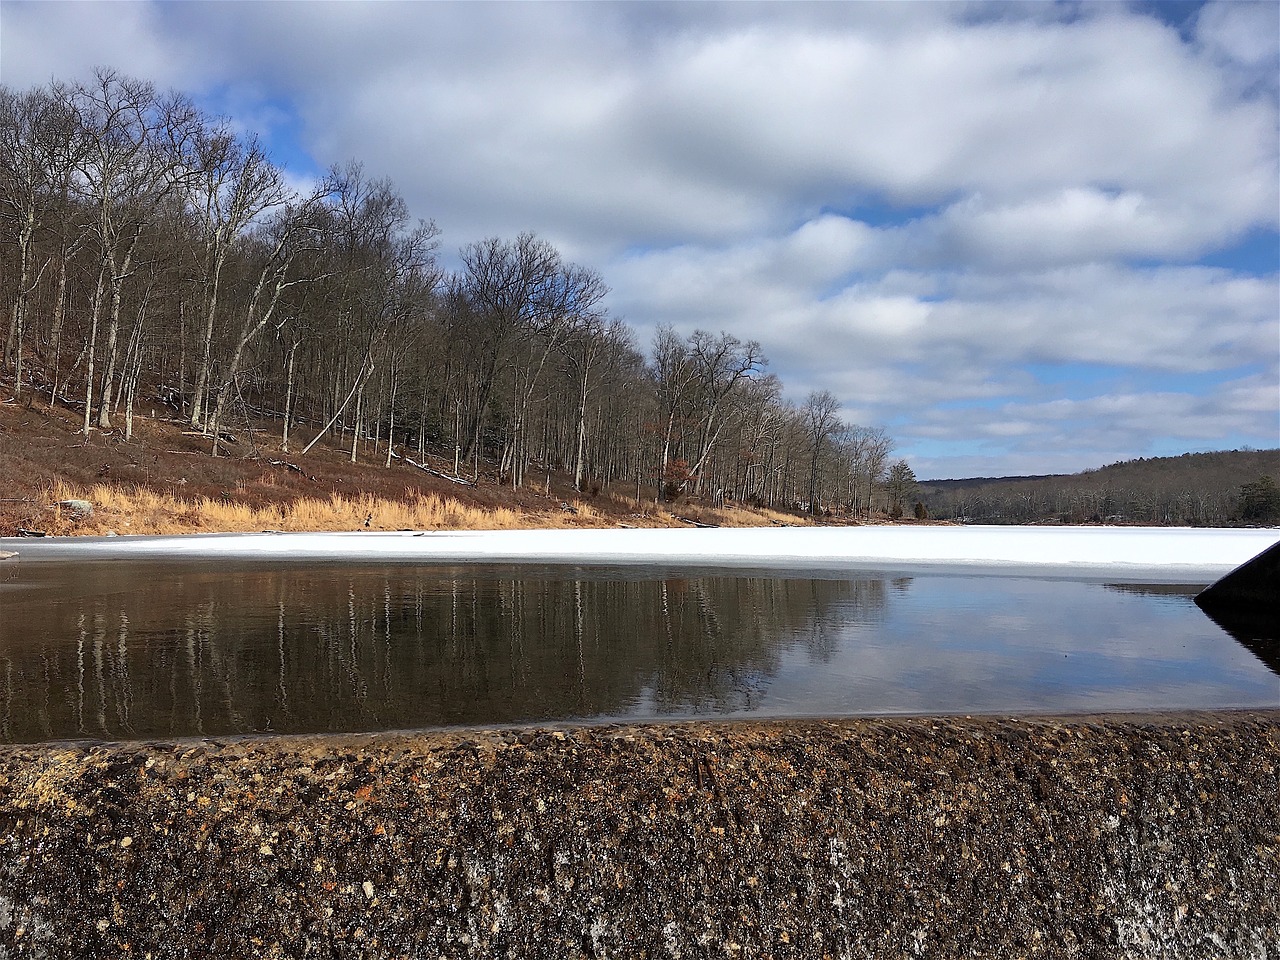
column 1195, row 489
column 151, row 257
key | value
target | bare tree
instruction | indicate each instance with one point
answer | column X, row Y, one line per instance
column 136, row 148
column 589, row 332
column 675, row 374
column 509, row 287
column 820, row 422
column 281, row 243
column 38, row 146
column 868, row 450
column 383, row 276
column 722, row 364
column 234, row 185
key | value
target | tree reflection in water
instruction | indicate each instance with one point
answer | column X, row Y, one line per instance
column 139, row 650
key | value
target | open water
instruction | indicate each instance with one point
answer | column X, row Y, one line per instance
column 128, row 650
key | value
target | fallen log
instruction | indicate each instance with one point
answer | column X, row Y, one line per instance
column 290, row 466
column 435, row 473
column 223, row 436
column 696, row 523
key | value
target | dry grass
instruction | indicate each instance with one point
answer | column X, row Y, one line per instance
column 742, row 515
column 728, row 515
column 129, row 509
column 132, row 510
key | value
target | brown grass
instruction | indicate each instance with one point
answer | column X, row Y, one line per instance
column 135, row 510
column 128, row 509
column 742, row 515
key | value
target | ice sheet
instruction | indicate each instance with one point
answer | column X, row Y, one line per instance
column 1164, row 553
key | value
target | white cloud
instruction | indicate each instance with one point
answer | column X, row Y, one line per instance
column 40, row 42
column 609, row 128
column 1184, row 319
column 713, row 160
column 1243, row 37
column 1111, row 426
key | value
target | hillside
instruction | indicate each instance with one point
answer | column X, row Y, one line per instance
column 1194, row 489
column 164, row 480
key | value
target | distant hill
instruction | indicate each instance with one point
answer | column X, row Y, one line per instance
column 1195, row 489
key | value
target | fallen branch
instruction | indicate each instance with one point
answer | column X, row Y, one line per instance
column 435, row 473
column 290, row 466
column 223, row 436
column 695, row 523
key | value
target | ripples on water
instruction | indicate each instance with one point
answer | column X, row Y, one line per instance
column 117, row 650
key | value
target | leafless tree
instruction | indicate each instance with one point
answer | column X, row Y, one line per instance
column 136, row 152
column 509, row 287
column 721, row 365
column 233, row 185
column 38, row 145
column 820, row 422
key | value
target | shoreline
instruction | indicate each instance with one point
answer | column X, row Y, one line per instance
column 714, row 725
column 1172, row 554
column 1118, row 835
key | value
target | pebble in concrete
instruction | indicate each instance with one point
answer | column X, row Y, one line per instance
column 1075, row 838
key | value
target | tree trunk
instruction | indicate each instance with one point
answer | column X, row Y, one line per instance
column 355, row 433
column 90, row 348
column 288, row 399
column 113, row 331
column 391, row 416
column 336, row 414
column 56, row 333
column 580, row 458
column 202, row 377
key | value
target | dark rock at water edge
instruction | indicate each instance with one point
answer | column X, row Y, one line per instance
column 1136, row 836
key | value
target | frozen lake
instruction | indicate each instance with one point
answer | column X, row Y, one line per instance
column 1152, row 553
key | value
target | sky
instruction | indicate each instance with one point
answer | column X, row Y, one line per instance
column 1024, row 237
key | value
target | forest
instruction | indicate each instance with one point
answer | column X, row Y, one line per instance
column 1195, row 489
column 154, row 261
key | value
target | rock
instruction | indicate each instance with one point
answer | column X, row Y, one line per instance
column 78, row 509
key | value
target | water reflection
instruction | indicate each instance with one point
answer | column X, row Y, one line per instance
column 1258, row 631
column 145, row 650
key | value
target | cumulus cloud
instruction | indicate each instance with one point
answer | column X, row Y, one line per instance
column 1179, row 318
column 918, row 206
column 1243, row 37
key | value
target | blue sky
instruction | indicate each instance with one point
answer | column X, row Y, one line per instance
column 1027, row 238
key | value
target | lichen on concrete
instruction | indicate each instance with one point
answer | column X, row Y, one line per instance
column 1093, row 837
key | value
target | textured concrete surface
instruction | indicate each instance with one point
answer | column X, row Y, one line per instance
column 1099, row 837
column 1253, row 587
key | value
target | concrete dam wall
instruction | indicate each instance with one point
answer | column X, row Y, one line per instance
column 1090, row 837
